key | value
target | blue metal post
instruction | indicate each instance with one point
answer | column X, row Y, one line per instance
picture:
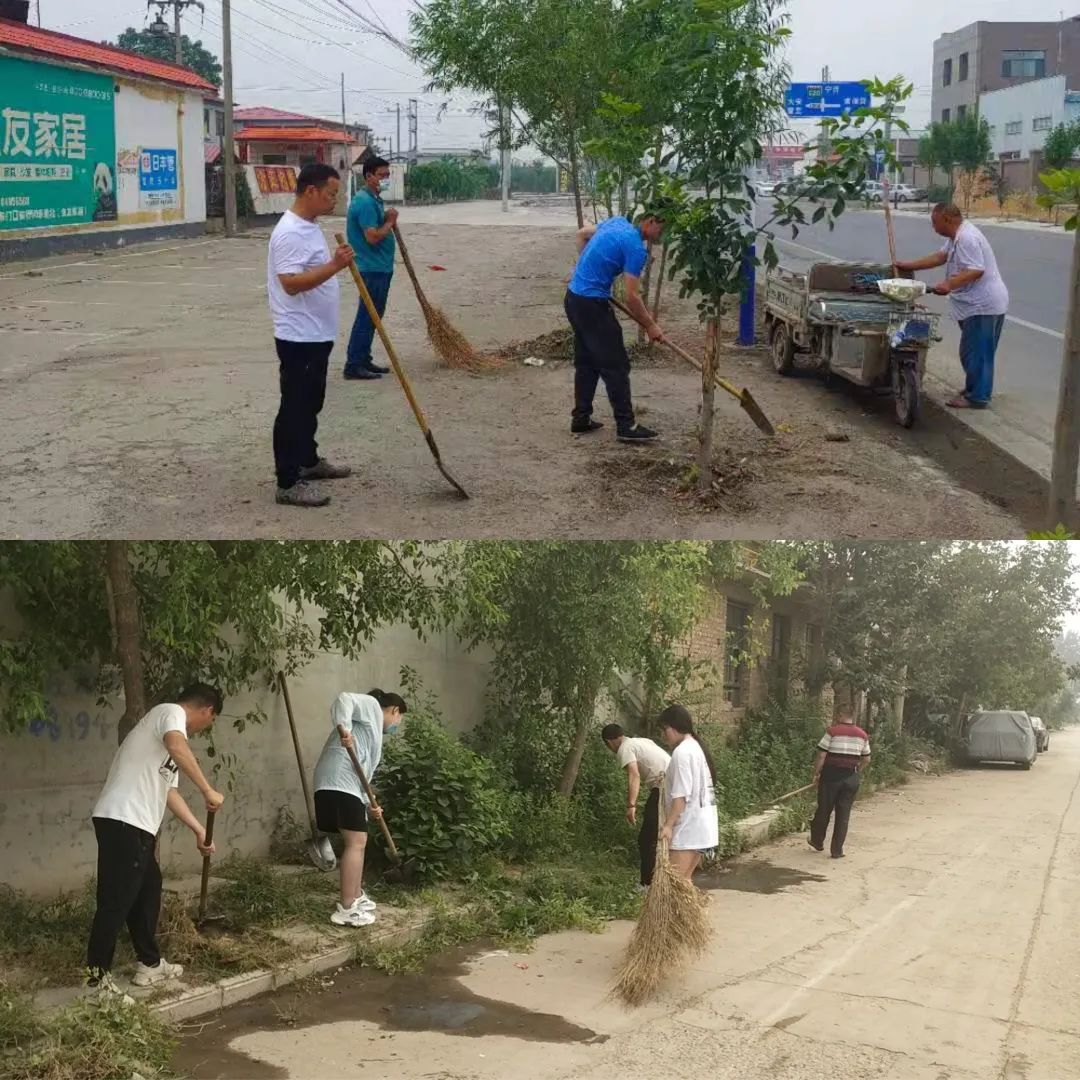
column 746, row 304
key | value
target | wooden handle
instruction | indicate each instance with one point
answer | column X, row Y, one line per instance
column 205, row 884
column 309, row 802
column 889, row 226
column 371, row 796
column 365, row 296
column 792, row 794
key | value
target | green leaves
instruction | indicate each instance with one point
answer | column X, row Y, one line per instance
column 1063, row 190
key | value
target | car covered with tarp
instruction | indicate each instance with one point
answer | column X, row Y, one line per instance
column 1001, row 735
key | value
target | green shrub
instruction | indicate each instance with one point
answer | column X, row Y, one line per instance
column 445, row 804
column 19, row 1023
column 45, row 940
column 939, row 193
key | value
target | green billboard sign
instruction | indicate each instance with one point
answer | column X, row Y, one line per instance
column 57, row 146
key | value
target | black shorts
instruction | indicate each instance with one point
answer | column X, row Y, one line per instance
column 337, row 810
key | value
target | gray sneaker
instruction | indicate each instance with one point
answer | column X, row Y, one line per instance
column 324, row 470
column 301, row 494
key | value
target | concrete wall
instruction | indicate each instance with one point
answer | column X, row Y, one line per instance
column 50, row 778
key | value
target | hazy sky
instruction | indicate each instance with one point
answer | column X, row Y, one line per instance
column 290, row 53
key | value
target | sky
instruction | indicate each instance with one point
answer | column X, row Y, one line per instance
column 290, row 53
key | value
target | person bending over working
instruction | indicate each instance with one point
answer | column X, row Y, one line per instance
column 615, row 246
column 143, row 780
column 371, row 235
column 303, row 289
column 646, row 762
column 691, row 826
column 341, row 803
column 842, row 753
column 977, row 295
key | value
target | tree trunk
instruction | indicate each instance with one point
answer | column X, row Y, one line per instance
column 1062, row 509
column 127, row 637
column 708, row 395
column 586, row 713
column 575, row 180
column 898, row 702
column 624, row 197
column 659, row 289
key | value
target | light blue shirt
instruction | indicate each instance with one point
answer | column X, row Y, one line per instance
column 615, row 248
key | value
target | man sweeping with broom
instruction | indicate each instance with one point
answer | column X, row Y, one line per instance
column 370, row 231
column 615, row 246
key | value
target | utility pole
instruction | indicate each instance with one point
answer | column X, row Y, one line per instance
column 823, row 138
column 37, row 8
column 1063, row 510
column 399, row 128
column 159, row 26
column 227, row 90
column 414, row 129
column 345, row 141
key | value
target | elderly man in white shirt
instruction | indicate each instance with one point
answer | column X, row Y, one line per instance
column 977, row 295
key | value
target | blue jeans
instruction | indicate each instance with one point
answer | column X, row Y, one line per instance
column 979, row 337
column 358, row 356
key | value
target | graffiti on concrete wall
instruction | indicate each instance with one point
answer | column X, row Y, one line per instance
column 76, row 727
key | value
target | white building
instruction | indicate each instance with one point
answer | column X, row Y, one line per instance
column 1020, row 117
column 98, row 146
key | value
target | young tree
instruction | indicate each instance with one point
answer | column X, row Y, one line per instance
column 163, row 47
column 1060, row 146
column 971, row 147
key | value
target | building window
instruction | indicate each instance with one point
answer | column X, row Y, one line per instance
column 1014, row 127
column 219, row 123
column 961, row 112
column 963, row 73
column 946, row 115
column 1042, row 123
column 274, row 159
column 1023, row 64
column 736, row 667
column 206, row 122
column 946, row 73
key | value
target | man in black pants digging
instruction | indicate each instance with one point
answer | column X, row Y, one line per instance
column 615, row 246
column 142, row 782
column 303, row 289
column 644, row 761
column 842, row 753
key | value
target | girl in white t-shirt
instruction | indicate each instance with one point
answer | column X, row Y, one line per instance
column 690, row 824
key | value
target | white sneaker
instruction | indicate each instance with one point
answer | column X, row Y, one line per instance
column 363, row 903
column 151, row 976
column 105, row 989
column 351, row 916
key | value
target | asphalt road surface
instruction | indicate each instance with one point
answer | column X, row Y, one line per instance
column 943, row 947
column 1035, row 263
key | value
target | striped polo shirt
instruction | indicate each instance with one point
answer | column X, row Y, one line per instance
column 845, row 745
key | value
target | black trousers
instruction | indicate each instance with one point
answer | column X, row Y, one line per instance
column 835, row 798
column 128, row 891
column 599, row 353
column 647, row 837
column 303, row 390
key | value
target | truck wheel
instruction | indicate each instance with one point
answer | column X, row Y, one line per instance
column 906, row 393
column 782, row 348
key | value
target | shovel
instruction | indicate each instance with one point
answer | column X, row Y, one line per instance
column 318, row 848
column 421, row 419
column 403, row 871
column 744, row 397
column 204, row 887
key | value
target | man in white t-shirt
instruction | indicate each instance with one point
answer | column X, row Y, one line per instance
column 301, row 282
column 645, row 763
column 977, row 295
column 142, row 782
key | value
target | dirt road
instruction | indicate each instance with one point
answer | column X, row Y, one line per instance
column 943, row 947
column 138, row 389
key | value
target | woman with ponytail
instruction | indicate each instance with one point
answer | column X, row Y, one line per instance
column 690, row 824
column 341, row 804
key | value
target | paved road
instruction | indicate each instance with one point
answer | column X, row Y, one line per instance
column 944, row 947
column 1035, row 264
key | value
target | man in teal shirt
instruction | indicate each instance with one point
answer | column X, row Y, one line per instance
column 371, row 234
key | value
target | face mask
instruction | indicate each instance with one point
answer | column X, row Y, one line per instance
column 392, row 729
column 384, row 185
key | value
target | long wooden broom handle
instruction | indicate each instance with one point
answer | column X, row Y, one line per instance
column 889, row 228
column 365, row 296
column 410, row 268
column 371, row 796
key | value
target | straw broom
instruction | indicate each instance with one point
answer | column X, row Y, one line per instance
column 449, row 343
column 672, row 930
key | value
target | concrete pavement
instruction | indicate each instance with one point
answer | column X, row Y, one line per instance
column 1035, row 264
column 942, row 948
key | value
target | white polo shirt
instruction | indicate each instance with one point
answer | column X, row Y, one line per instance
column 297, row 245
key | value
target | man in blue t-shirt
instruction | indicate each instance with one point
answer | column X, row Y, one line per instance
column 615, row 246
column 371, row 235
